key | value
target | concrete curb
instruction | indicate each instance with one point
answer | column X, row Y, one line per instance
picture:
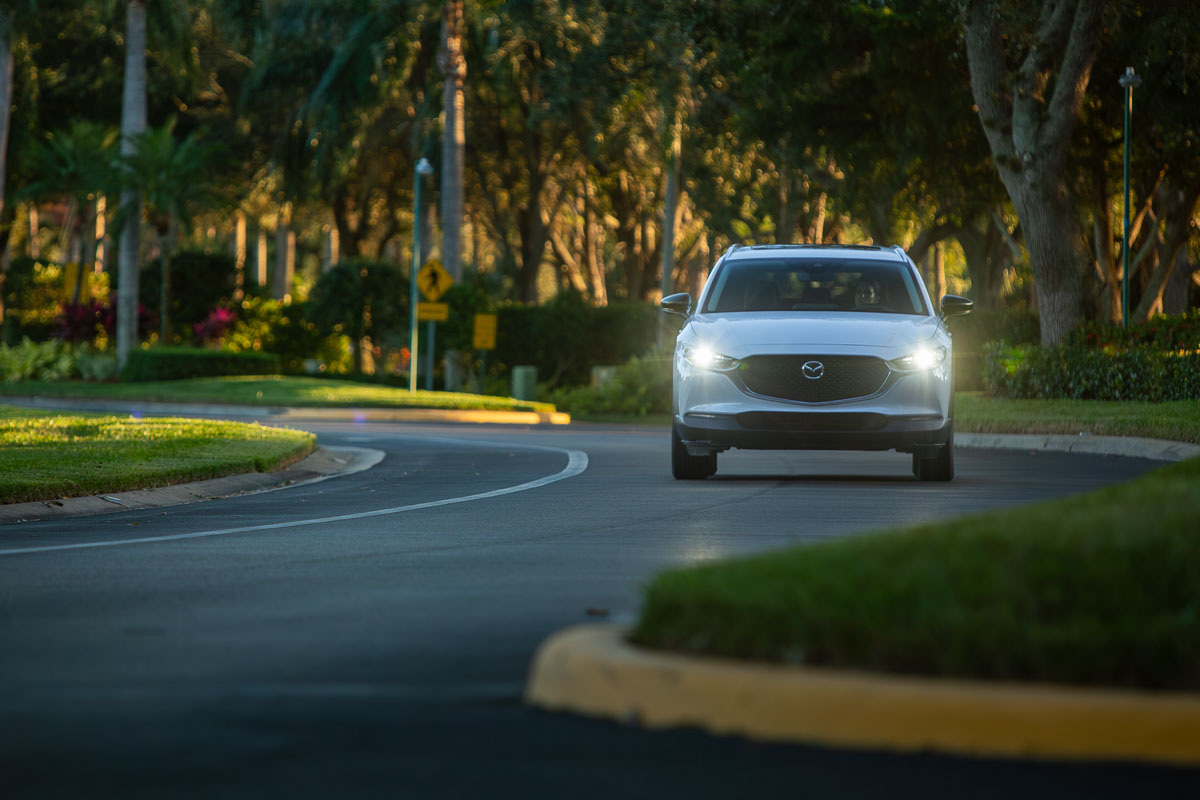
column 296, row 413
column 1132, row 446
column 591, row 669
column 323, row 463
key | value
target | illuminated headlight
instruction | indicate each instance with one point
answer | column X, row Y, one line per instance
column 924, row 358
column 702, row 356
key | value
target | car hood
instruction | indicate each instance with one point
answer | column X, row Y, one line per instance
column 766, row 331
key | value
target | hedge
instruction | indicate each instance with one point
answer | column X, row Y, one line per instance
column 974, row 331
column 563, row 338
column 172, row 363
column 1079, row 372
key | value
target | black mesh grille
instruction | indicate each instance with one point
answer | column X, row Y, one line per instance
column 799, row 421
column 841, row 377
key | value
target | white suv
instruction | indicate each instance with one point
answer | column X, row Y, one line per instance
column 813, row 347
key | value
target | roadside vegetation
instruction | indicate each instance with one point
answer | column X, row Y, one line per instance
column 1091, row 590
column 1175, row 421
column 48, row 455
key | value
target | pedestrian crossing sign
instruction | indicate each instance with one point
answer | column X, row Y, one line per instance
column 433, row 280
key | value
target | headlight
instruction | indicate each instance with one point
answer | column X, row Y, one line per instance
column 921, row 359
column 702, row 356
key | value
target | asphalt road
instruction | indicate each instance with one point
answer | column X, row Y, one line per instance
column 383, row 650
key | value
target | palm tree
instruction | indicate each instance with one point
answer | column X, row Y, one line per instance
column 74, row 163
column 454, row 73
column 133, row 124
column 175, row 179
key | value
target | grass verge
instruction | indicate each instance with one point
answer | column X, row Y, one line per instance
column 269, row 390
column 45, row 455
column 1091, row 590
column 1177, row 421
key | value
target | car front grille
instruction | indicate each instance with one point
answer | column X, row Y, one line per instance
column 816, row 422
column 841, row 377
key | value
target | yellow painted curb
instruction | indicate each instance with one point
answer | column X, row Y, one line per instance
column 429, row 415
column 591, row 669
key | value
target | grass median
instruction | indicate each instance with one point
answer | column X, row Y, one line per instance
column 48, row 455
column 270, row 390
column 1101, row 589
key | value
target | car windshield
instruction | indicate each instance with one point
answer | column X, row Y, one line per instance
column 812, row 284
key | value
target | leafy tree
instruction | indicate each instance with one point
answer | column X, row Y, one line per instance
column 175, row 179
column 75, row 163
column 1029, row 113
column 361, row 299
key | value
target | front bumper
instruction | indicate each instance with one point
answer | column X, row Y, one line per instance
column 708, row 433
column 911, row 412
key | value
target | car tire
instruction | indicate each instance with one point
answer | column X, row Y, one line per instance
column 938, row 468
column 687, row 467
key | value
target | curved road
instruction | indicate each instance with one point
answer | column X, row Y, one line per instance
column 370, row 635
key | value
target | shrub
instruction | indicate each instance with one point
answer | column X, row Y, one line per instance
column 270, row 326
column 1085, row 373
column 641, row 386
column 1179, row 332
column 33, row 291
column 360, row 298
column 200, row 282
column 174, row 363
column 214, row 326
column 566, row 337
column 94, row 365
column 84, row 321
column 975, row 330
column 51, row 360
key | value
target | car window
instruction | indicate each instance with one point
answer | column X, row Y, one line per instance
column 808, row 284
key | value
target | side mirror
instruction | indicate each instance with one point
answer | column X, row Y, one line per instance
column 955, row 306
column 678, row 304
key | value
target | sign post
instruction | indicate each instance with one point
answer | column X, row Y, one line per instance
column 422, row 169
column 433, row 281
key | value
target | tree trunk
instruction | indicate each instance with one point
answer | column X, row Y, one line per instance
column 1177, row 211
column 102, row 244
column 1028, row 115
column 260, row 257
column 35, row 231
column 239, row 254
column 591, row 245
column 166, row 247
column 285, row 256
column 1057, row 253
column 818, row 229
column 667, row 282
column 133, row 123
column 454, row 73
column 6, row 94
column 1175, row 296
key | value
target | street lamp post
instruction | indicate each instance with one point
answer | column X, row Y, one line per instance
column 1128, row 81
column 423, row 169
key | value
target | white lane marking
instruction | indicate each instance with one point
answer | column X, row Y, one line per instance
column 577, row 462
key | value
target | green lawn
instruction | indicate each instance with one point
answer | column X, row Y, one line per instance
column 269, row 390
column 47, row 455
column 1178, row 421
column 1099, row 589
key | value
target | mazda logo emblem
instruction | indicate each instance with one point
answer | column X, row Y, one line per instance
column 813, row 370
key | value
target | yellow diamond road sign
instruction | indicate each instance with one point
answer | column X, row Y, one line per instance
column 433, row 280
